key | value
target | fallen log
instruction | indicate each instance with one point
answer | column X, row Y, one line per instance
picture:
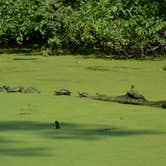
column 131, row 97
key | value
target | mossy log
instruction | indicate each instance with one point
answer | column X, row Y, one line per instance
column 131, row 97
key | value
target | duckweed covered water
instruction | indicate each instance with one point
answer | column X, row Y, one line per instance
column 93, row 133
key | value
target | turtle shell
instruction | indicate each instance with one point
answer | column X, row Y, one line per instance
column 83, row 94
column 30, row 90
column 4, row 88
column 15, row 89
column 63, row 92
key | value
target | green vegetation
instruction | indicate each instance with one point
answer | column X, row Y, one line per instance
column 127, row 28
column 93, row 133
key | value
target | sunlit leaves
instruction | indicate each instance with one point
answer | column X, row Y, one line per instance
column 119, row 25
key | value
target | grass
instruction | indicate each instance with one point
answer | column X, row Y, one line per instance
column 93, row 133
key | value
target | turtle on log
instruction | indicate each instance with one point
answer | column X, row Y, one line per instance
column 4, row 88
column 133, row 94
column 8, row 89
column 15, row 90
column 30, row 90
column 83, row 94
column 63, row 92
column 18, row 89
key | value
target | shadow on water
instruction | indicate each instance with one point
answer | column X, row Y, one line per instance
column 15, row 51
column 6, row 150
column 97, row 68
column 23, row 125
column 22, row 51
column 27, row 152
column 94, row 131
column 4, row 140
column 73, row 131
column 108, row 69
column 24, row 59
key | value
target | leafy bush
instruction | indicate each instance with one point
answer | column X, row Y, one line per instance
column 135, row 27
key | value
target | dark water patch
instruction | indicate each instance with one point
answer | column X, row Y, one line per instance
column 23, row 125
column 22, row 51
column 24, row 152
column 5, row 140
column 113, row 68
column 164, row 68
column 126, row 67
column 73, row 130
column 98, row 68
column 97, row 133
column 15, row 50
column 24, row 59
column 91, row 132
column 24, row 113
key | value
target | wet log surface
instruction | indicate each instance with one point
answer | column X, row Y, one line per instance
column 131, row 97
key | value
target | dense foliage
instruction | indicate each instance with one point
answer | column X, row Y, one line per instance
column 126, row 27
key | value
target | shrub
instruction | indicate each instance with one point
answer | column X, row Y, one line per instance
column 135, row 27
